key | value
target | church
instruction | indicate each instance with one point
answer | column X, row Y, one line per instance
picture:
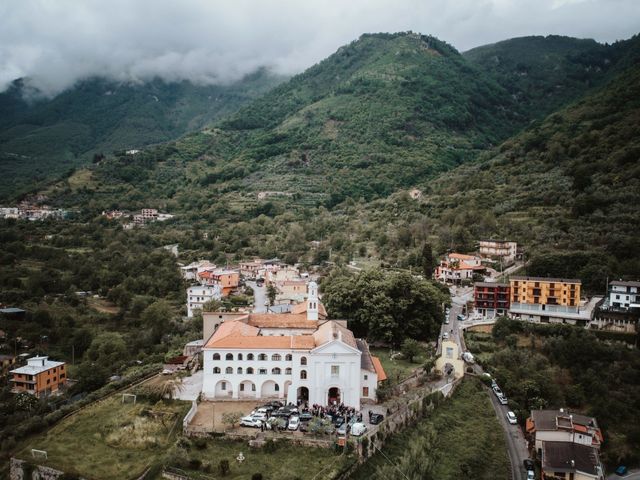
column 297, row 357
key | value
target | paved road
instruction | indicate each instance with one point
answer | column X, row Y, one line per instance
column 516, row 443
column 259, row 297
column 632, row 475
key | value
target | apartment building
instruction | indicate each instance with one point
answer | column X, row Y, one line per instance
column 499, row 248
column 40, row 377
column 624, row 296
column 491, row 299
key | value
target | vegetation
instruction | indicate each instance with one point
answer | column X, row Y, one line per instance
column 560, row 366
column 440, row 446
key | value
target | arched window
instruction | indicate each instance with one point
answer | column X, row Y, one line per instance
column 239, row 370
column 262, row 371
column 277, row 388
column 288, row 357
column 249, row 371
column 229, row 356
column 239, row 356
column 276, row 357
column 303, row 374
column 228, row 370
column 250, row 356
column 303, row 361
column 262, row 356
column 216, row 356
column 216, row 369
column 276, row 371
column 287, row 371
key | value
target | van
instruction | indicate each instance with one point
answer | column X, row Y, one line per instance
column 358, row 429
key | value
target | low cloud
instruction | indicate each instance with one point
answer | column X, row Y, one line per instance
column 56, row 43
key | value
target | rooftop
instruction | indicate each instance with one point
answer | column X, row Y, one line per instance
column 569, row 457
column 491, row 284
column 462, row 256
column 545, row 279
column 286, row 320
column 548, row 419
column 622, row 283
column 37, row 365
column 379, row 370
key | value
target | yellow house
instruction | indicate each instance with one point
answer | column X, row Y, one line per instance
column 450, row 360
column 545, row 291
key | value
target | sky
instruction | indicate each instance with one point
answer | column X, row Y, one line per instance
column 56, row 43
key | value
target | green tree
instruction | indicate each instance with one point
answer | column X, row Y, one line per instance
column 411, row 349
column 231, row 418
column 427, row 260
column 157, row 318
column 271, row 294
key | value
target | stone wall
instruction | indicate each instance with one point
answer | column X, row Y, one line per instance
column 39, row 472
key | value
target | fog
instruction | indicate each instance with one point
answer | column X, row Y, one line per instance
column 56, row 43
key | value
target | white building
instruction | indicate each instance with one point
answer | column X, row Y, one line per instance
column 189, row 272
column 499, row 248
column 457, row 267
column 198, row 295
column 296, row 357
column 624, row 295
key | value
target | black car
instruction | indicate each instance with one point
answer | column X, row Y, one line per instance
column 528, row 464
column 376, row 418
column 305, row 416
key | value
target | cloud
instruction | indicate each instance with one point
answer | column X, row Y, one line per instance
column 56, row 43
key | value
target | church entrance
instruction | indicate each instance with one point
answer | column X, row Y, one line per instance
column 334, row 396
column 303, row 394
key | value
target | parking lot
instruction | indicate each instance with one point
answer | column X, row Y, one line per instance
column 209, row 414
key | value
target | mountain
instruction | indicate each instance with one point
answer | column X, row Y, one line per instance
column 41, row 138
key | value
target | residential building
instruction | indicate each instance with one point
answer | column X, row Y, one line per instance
column 624, row 296
column 457, row 267
column 190, row 271
column 40, row 377
column 198, row 295
column 149, row 214
column 615, row 320
column 504, row 249
column 289, row 356
column 491, row 299
column 571, row 461
column 250, row 269
column 227, row 280
column 7, row 362
column 550, row 300
column 292, row 291
column 562, row 426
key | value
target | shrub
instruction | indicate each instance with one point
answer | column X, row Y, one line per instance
column 256, row 476
column 200, row 443
column 195, row 463
column 224, row 467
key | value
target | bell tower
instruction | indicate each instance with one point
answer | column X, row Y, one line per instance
column 312, row 302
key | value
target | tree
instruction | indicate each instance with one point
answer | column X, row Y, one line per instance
column 157, row 317
column 410, row 349
column 428, row 263
column 212, row 305
column 231, row 418
column 271, row 294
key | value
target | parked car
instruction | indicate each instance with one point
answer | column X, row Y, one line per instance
column 528, row 464
column 250, row 421
column 304, row 426
column 305, row 416
column 294, row 423
column 445, row 335
column 503, row 400
column 358, row 429
column 497, row 391
column 262, row 416
column 342, row 430
column 446, row 320
column 531, row 475
column 460, row 317
column 621, row 470
column 511, row 417
column 376, row 418
column 275, row 404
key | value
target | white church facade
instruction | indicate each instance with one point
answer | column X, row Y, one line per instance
column 292, row 356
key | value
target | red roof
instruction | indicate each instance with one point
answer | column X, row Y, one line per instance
column 379, row 370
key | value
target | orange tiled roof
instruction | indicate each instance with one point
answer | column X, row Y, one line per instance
column 461, row 256
column 281, row 320
column 302, row 308
column 530, row 426
column 379, row 370
column 329, row 331
column 237, row 334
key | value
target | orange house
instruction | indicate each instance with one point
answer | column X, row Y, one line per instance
column 40, row 377
column 228, row 280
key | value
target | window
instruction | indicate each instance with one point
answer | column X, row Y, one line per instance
column 239, row 370
column 335, row 370
column 262, row 356
column 262, row 371
column 239, row 356
column 366, row 377
column 249, row 371
column 365, row 391
column 242, row 387
column 216, row 369
column 287, row 371
column 303, row 374
column 229, row 356
column 303, row 361
column 216, row 356
column 276, row 371
column 223, row 386
column 253, row 387
column 276, row 357
column 250, row 356
column 288, row 357
column 228, row 370
column 277, row 388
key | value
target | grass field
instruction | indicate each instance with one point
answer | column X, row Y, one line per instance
column 468, row 443
column 397, row 369
column 111, row 440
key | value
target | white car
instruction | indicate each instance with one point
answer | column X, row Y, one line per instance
column 531, row 475
column 445, row 335
column 503, row 400
column 262, row 416
column 511, row 417
column 358, row 429
column 294, row 423
column 250, row 421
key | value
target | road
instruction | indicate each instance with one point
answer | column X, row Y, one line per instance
column 259, row 297
column 516, row 443
column 632, row 475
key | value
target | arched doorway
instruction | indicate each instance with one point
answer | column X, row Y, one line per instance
column 269, row 389
column 247, row 389
column 223, row 389
column 302, row 395
column 448, row 371
column 334, row 396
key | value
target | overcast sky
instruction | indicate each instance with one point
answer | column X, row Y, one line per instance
column 57, row 42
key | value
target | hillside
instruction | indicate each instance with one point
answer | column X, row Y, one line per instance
column 41, row 138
